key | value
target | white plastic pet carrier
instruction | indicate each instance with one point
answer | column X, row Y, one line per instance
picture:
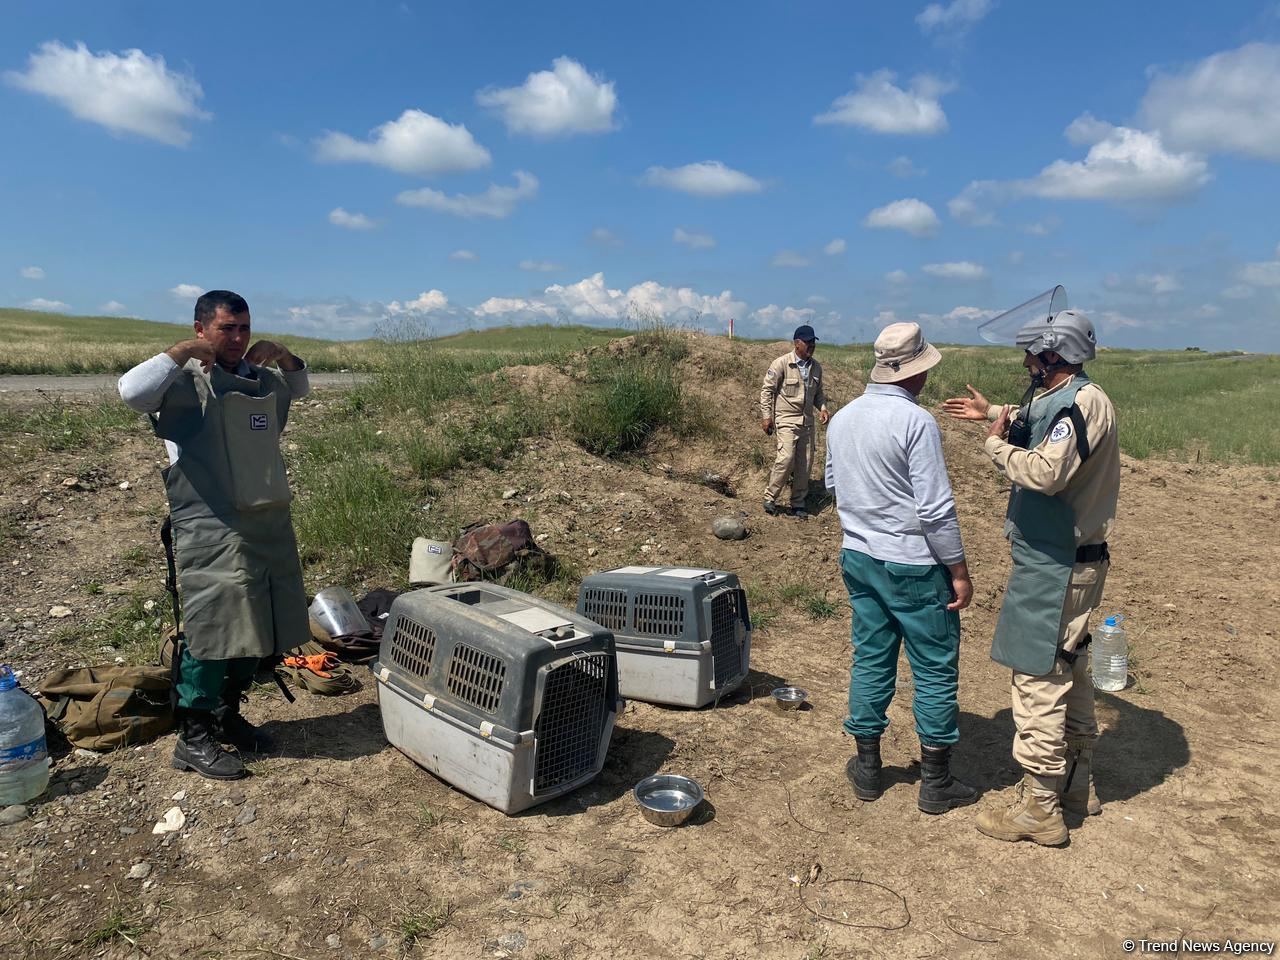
column 683, row 635
column 507, row 697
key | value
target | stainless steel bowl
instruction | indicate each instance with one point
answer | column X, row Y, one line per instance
column 667, row 799
column 790, row 698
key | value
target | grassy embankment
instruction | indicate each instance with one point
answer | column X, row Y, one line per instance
column 56, row 344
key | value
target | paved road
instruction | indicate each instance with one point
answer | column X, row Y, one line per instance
column 106, row 383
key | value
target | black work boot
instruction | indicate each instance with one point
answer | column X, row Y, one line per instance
column 197, row 749
column 231, row 727
column 863, row 770
column 939, row 790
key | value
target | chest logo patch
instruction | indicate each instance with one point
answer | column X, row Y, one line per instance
column 1061, row 430
column 257, row 421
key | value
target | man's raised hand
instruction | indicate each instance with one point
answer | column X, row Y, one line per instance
column 268, row 351
column 196, row 348
column 972, row 407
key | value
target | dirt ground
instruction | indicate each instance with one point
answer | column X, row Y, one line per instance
column 340, row 846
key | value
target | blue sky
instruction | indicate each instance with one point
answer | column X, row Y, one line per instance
column 347, row 166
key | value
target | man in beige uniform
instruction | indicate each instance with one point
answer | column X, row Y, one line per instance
column 792, row 391
column 1064, row 460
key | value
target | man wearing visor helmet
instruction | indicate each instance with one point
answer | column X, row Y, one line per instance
column 1059, row 448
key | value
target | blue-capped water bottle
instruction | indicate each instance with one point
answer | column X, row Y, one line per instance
column 24, row 756
column 1110, row 655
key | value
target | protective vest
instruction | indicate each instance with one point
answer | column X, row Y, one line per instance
column 237, row 558
column 1042, row 540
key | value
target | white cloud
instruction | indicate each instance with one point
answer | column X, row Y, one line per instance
column 32, row 273
column 566, row 99
column 897, row 276
column 1207, row 311
column 956, row 270
column 877, row 105
column 463, row 256
column 969, row 205
column 605, row 237
column 817, row 299
column 1265, row 274
column 1157, row 283
column 1239, row 291
column 112, row 306
column 40, row 303
column 835, row 247
column 416, row 143
column 693, row 240
column 911, row 215
column 710, row 178
column 186, row 291
column 496, row 202
column 126, row 93
column 1115, row 319
column 788, row 258
column 957, row 15
column 1225, row 103
column 1122, row 164
column 351, row 221
column 904, row 168
column 428, row 301
column 1041, row 228
column 540, row 266
column 782, row 320
column 591, row 301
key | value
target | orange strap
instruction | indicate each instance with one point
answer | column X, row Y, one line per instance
column 317, row 663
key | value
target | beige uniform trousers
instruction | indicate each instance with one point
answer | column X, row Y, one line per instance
column 1048, row 710
column 794, row 440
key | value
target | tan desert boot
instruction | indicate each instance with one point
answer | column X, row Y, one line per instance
column 1033, row 815
column 1078, row 796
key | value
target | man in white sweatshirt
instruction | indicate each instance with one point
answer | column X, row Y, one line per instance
column 220, row 411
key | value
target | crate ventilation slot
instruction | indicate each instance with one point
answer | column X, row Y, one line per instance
column 476, row 677
column 414, row 647
column 606, row 607
column 658, row 614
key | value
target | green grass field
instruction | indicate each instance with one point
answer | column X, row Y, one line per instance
column 1183, row 405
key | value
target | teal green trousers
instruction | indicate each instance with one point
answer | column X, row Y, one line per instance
column 202, row 683
column 896, row 604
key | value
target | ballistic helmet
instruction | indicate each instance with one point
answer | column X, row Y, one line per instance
column 1068, row 333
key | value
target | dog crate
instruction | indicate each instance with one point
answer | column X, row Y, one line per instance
column 683, row 635
column 507, row 697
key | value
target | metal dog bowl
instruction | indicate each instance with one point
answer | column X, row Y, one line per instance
column 667, row 799
column 790, row 698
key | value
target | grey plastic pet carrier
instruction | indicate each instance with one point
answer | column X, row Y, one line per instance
column 507, row 697
column 683, row 635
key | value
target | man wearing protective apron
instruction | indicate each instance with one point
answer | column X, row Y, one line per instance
column 1063, row 457
column 220, row 412
column 792, row 391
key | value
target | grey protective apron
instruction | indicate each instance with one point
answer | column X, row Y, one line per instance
column 237, row 559
column 1042, row 538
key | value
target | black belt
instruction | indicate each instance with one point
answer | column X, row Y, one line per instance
column 1093, row 553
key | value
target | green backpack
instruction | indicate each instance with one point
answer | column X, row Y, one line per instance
column 102, row 708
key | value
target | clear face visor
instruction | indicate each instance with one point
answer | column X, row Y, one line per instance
column 1004, row 328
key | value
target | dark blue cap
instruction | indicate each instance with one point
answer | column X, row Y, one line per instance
column 804, row 332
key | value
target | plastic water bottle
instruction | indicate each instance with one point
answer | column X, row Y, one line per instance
column 1110, row 656
column 24, row 756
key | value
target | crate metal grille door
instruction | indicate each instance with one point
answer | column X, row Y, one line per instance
column 606, row 607
column 726, row 654
column 569, row 727
column 476, row 677
column 414, row 647
column 658, row 614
